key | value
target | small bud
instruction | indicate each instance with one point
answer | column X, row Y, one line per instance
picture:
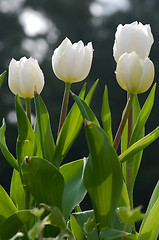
column 134, row 74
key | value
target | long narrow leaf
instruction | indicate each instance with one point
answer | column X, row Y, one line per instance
column 71, row 127
column 103, row 175
column 16, row 191
column 86, row 111
column 1, row 77
column 139, row 145
column 7, row 207
column 150, row 228
column 106, row 115
column 154, row 198
column 44, row 128
column 9, row 157
column 26, row 142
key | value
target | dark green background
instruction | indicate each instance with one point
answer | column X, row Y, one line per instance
column 74, row 19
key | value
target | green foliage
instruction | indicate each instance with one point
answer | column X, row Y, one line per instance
column 16, row 191
column 7, row 208
column 106, row 115
column 44, row 129
column 26, row 142
column 14, row 223
column 113, row 234
column 74, row 190
column 103, row 175
column 2, row 77
column 42, row 179
column 71, row 127
column 9, row 157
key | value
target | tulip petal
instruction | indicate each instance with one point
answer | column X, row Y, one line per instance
column 147, row 76
column 133, row 37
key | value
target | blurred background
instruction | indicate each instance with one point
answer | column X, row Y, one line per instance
column 36, row 28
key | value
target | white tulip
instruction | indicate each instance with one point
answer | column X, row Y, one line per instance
column 133, row 37
column 72, row 62
column 134, row 74
column 25, row 77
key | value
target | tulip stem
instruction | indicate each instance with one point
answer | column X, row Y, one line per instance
column 27, row 193
column 123, row 121
column 28, row 108
column 64, row 105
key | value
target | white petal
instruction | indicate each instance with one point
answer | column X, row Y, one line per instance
column 147, row 76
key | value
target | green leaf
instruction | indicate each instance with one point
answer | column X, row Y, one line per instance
column 76, row 229
column 130, row 216
column 26, row 142
column 1, row 77
column 138, row 133
column 123, row 202
column 139, row 145
column 154, row 198
column 44, row 128
column 7, row 207
column 14, row 223
column 79, row 223
column 86, row 112
column 71, row 127
column 44, row 181
column 9, row 157
column 136, row 111
column 106, row 115
column 16, row 191
column 150, row 228
column 69, row 132
column 113, row 234
column 74, row 190
column 143, row 116
column 103, row 175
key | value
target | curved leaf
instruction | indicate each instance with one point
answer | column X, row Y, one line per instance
column 7, row 207
column 113, row 234
column 17, row 191
column 44, row 181
column 14, row 223
column 71, row 127
column 1, row 77
column 150, row 228
column 103, row 175
column 106, row 115
column 26, row 142
column 44, row 128
column 9, row 157
column 74, row 190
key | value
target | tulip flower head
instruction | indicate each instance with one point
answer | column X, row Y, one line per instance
column 133, row 37
column 25, row 77
column 134, row 74
column 72, row 62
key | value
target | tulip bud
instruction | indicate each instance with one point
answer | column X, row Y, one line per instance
column 25, row 77
column 134, row 74
column 72, row 62
column 133, row 37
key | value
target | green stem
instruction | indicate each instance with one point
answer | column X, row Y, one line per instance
column 64, row 105
column 27, row 193
column 123, row 122
column 28, row 108
column 130, row 124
